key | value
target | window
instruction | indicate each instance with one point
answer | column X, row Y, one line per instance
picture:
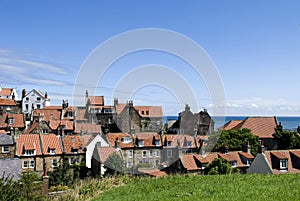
column 27, row 99
column 130, row 154
column 38, row 106
column 169, row 143
column 126, row 139
column 157, row 142
column 54, row 162
column 141, row 143
column 147, row 112
column 32, row 164
column 144, row 154
column 143, row 112
column 74, row 151
column 26, row 107
column 5, row 150
column 157, row 153
column 25, row 164
column 44, row 131
column 233, row 163
column 129, row 164
column 72, row 161
column 188, row 143
column 10, row 121
column 38, row 99
column 283, row 164
column 169, row 153
column 29, row 152
column 69, row 114
column 52, row 151
column 150, row 153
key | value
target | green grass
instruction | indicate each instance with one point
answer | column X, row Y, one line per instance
column 223, row 187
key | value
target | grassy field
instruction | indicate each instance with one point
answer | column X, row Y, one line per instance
column 223, row 187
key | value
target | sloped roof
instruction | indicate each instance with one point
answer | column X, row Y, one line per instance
column 51, row 141
column 179, row 140
column 87, row 128
column 17, row 123
column 7, row 102
column 148, row 138
column 153, row 111
column 188, row 162
column 231, row 125
column 96, row 100
column 232, row 156
column 10, row 167
column 54, row 124
column 79, row 112
column 112, row 137
column 246, row 155
column 120, row 108
column 6, row 140
column 48, row 113
column 6, row 91
column 105, row 152
column 153, row 172
column 263, row 127
column 28, row 142
column 31, row 127
column 87, row 138
column 73, row 142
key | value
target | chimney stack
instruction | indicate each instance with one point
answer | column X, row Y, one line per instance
column 23, row 93
column 117, row 143
column 46, row 95
column 187, row 107
column 261, row 147
column 116, row 101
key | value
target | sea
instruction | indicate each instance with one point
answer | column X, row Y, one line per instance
column 289, row 123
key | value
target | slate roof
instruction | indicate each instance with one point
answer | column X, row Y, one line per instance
column 10, row 167
column 263, row 127
column 6, row 140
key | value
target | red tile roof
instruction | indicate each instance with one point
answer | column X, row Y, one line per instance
column 180, row 140
column 153, row 172
column 18, row 121
column 148, row 138
column 51, row 141
column 105, row 152
column 53, row 107
column 120, row 108
column 28, row 142
column 280, row 154
column 263, row 127
column 112, row 137
column 6, row 91
column 87, row 138
column 231, row 125
column 87, row 128
column 54, row 124
column 48, row 113
column 79, row 112
column 31, row 127
column 7, row 102
column 188, row 162
column 96, row 100
column 246, row 155
column 3, row 131
column 149, row 111
column 73, row 142
column 207, row 158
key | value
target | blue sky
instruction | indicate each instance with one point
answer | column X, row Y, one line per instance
column 254, row 44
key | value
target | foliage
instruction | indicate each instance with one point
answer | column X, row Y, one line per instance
column 235, row 140
column 212, row 187
column 218, row 166
column 61, row 175
column 31, row 187
column 58, row 188
column 8, row 188
column 286, row 139
column 115, row 164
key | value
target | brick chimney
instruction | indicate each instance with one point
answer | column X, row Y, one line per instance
column 46, row 95
column 116, row 101
column 23, row 93
column 261, row 147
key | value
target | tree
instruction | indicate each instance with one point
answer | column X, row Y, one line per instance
column 115, row 164
column 61, row 174
column 218, row 166
column 31, row 187
column 8, row 188
column 286, row 139
column 235, row 140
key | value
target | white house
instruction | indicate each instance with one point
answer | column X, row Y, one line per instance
column 8, row 93
column 34, row 100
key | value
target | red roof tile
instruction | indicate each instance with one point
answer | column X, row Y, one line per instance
column 188, row 161
column 87, row 138
column 246, row 155
column 51, row 141
column 96, row 100
column 149, row 111
column 31, row 127
column 29, row 142
column 181, row 140
column 87, row 128
column 49, row 114
column 6, row 91
column 280, row 154
column 153, row 172
column 120, row 108
column 148, row 138
column 18, row 121
column 73, row 142
column 68, row 124
column 105, row 152
column 112, row 137
column 207, row 158
column 231, row 125
column 7, row 102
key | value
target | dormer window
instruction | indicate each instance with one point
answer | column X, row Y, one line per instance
column 283, row 164
column 140, row 143
column 126, row 140
column 188, row 143
column 69, row 114
column 157, row 142
column 11, row 121
column 168, row 143
column 29, row 152
column 44, row 131
column 52, row 151
column 74, row 151
column 233, row 163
